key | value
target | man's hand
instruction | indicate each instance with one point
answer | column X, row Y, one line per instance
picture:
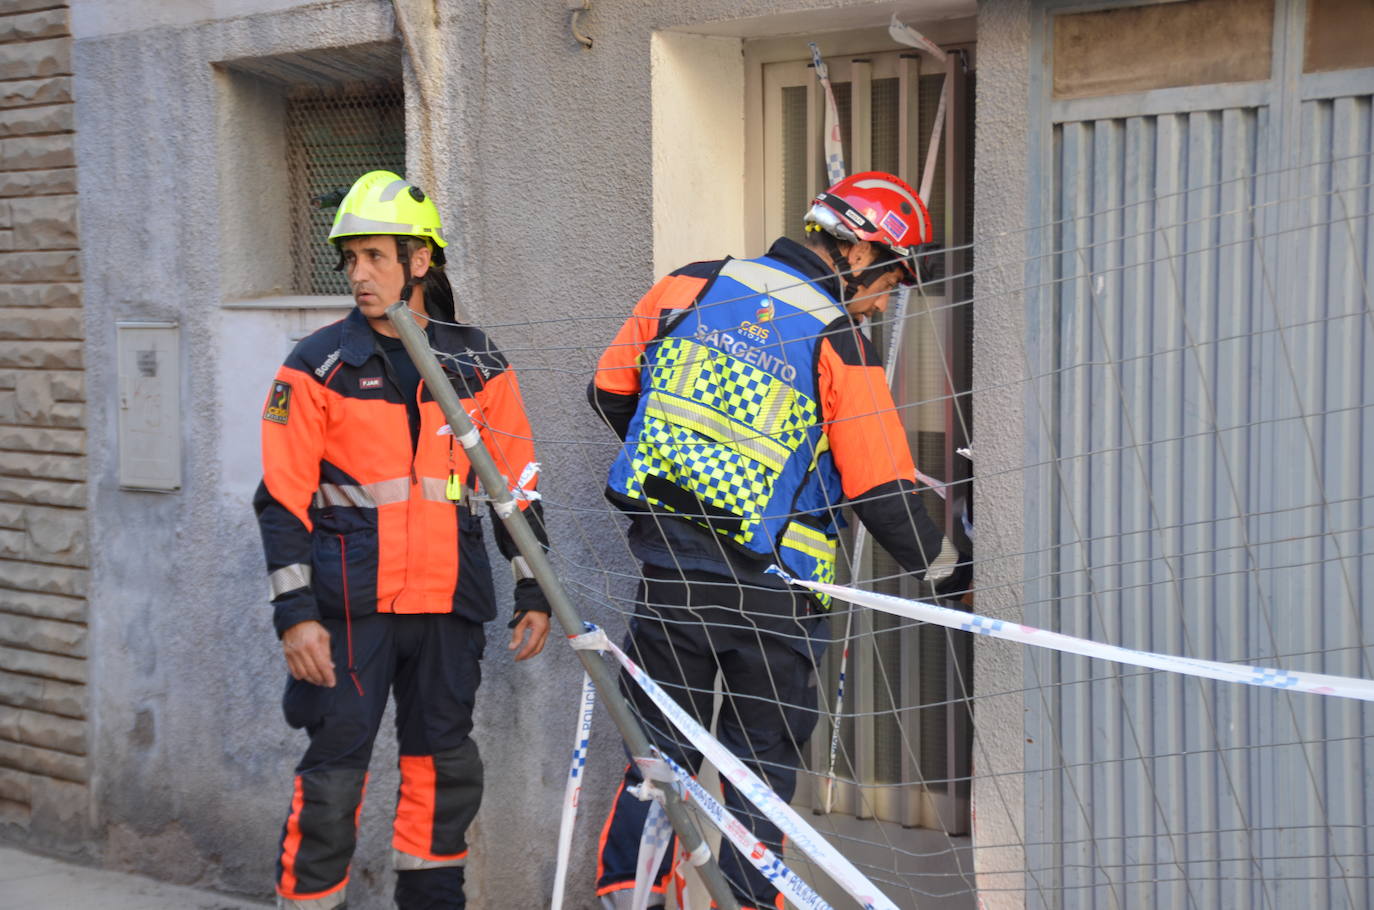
column 535, row 626
column 306, row 646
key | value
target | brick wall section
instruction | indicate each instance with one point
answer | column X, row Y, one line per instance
column 43, row 552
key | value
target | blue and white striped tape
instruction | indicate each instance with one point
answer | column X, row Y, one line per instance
column 798, row 892
column 572, row 791
column 653, row 844
column 802, row 836
column 1269, row 677
column 834, row 146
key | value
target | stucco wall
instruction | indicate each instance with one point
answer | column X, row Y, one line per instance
column 698, row 92
column 544, row 178
column 1001, row 180
column 191, row 759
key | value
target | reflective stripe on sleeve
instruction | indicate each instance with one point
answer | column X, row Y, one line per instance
column 289, row 578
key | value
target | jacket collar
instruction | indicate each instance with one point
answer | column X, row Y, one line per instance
column 356, row 342
column 795, row 256
column 450, row 338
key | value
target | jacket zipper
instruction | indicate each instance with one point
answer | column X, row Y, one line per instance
column 414, row 450
column 348, row 613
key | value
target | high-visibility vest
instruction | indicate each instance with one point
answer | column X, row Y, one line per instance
column 728, row 433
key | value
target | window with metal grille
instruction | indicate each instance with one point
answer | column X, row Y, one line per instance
column 904, row 724
column 294, row 127
column 335, row 135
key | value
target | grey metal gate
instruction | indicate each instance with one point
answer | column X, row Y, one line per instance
column 1206, row 367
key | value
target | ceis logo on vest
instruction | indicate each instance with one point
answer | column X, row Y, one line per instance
column 754, row 330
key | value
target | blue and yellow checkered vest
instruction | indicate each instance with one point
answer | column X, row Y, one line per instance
column 728, row 432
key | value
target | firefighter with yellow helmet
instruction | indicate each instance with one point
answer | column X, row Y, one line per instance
column 378, row 571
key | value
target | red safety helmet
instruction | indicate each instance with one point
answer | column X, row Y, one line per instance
column 876, row 207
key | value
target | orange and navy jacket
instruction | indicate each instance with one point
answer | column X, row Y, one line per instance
column 354, row 518
column 860, row 420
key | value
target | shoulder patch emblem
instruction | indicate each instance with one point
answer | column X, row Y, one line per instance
column 278, row 403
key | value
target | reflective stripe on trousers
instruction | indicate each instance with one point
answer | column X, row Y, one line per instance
column 328, row 902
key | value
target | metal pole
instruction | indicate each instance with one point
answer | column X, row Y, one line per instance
column 958, row 375
column 433, row 374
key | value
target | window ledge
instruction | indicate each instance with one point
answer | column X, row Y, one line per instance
column 292, row 302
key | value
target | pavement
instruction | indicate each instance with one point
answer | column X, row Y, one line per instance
column 31, row 882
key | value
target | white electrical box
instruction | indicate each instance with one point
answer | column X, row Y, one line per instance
column 149, row 405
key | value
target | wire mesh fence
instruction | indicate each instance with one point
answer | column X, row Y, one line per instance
column 1196, row 479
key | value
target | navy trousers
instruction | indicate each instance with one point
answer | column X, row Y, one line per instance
column 688, row 627
column 431, row 663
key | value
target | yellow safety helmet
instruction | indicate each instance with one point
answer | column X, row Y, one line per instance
column 381, row 202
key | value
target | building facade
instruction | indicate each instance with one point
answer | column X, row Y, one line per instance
column 44, row 553
column 1131, row 248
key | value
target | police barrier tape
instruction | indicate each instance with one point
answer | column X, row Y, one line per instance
column 793, row 827
column 1270, row 677
column 657, row 834
column 573, row 790
column 653, row 844
column 750, row 847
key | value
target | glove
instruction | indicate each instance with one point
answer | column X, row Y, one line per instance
column 942, row 566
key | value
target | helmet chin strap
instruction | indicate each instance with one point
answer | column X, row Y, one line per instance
column 851, row 282
column 410, row 282
column 848, row 286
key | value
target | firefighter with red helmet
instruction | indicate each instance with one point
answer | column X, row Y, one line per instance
column 375, row 554
column 752, row 408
